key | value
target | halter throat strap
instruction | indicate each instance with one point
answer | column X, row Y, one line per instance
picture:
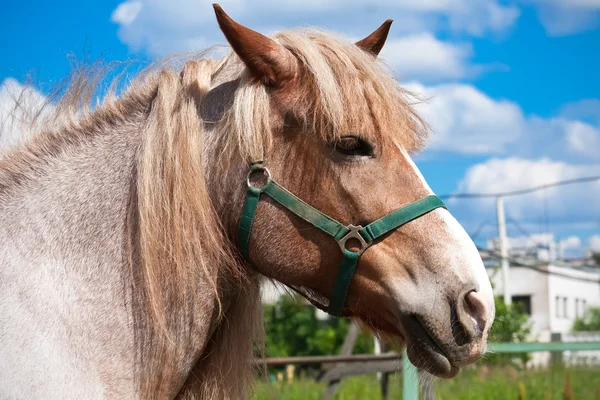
column 341, row 233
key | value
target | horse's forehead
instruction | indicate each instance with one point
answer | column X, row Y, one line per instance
column 347, row 90
column 346, row 94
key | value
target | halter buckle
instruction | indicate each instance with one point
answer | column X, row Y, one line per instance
column 255, row 169
column 354, row 234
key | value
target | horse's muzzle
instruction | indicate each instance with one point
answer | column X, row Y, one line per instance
column 442, row 345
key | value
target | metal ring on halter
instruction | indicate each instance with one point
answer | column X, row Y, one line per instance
column 258, row 168
column 354, row 234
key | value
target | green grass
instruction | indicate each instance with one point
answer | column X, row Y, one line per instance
column 360, row 387
column 471, row 384
column 503, row 383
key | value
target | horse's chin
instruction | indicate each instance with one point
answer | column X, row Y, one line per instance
column 426, row 355
column 423, row 351
column 441, row 359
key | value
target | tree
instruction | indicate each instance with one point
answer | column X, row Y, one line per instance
column 589, row 322
column 293, row 329
column 596, row 258
column 511, row 325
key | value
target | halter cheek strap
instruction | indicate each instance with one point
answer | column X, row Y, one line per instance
column 341, row 233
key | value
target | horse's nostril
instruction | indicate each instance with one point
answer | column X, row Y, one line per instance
column 475, row 307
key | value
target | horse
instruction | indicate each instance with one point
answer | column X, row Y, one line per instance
column 135, row 234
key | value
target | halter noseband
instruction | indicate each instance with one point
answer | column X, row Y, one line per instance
column 341, row 233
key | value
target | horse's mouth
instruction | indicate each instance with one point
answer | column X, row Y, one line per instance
column 424, row 351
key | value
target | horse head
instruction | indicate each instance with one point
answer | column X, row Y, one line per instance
column 337, row 140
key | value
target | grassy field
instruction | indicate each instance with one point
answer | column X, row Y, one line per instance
column 482, row 383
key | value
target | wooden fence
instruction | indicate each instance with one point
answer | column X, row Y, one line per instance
column 335, row 368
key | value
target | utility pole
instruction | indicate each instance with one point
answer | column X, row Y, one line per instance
column 503, row 242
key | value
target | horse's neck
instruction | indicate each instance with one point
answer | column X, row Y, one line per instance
column 65, row 312
column 66, row 305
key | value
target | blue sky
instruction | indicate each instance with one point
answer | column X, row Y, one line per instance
column 513, row 87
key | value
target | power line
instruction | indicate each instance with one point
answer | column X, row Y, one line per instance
column 477, row 231
column 517, row 225
column 519, row 192
column 513, row 261
column 536, row 267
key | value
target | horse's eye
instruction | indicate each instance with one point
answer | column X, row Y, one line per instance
column 353, row 146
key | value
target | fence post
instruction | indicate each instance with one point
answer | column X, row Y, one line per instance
column 556, row 357
column 385, row 386
column 410, row 379
column 383, row 376
column 347, row 348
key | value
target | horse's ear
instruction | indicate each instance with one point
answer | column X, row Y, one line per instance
column 375, row 41
column 268, row 61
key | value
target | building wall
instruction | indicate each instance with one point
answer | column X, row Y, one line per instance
column 570, row 292
column 544, row 289
column 545, row 318
column 526, row 282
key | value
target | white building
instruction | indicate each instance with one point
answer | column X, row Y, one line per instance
column 554, row 295
column 553, row 291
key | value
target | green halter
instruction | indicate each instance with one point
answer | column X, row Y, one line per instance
column 341, row 233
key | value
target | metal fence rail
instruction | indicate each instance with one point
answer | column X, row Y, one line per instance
column 552, row 346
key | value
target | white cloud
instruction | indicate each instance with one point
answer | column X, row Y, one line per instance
column 570, row 243
column 572, row 203
column 127, row 12
column 482, row 17
column 560, row 138
column 18, row 103
column 572, row 4
column 522, row 242
column 594, row 243
column 465, row 120
column 583, row 139
column 424, row 57
column 546, row 245
column 586, row 109
column 538, row 240
column 564, row 17
column 160, row 27
column 572, row 246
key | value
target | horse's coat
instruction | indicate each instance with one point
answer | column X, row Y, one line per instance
column 119, row 276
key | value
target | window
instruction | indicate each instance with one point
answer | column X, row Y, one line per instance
column 566, row 314
column 576, row 308
column 557, row 312
column 524, row 302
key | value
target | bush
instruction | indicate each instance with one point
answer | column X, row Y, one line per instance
column 293, row 329
column 596, row 258
column 589, row 322
column 510, row 326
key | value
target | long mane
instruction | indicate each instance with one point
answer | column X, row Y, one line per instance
column 179, row 251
